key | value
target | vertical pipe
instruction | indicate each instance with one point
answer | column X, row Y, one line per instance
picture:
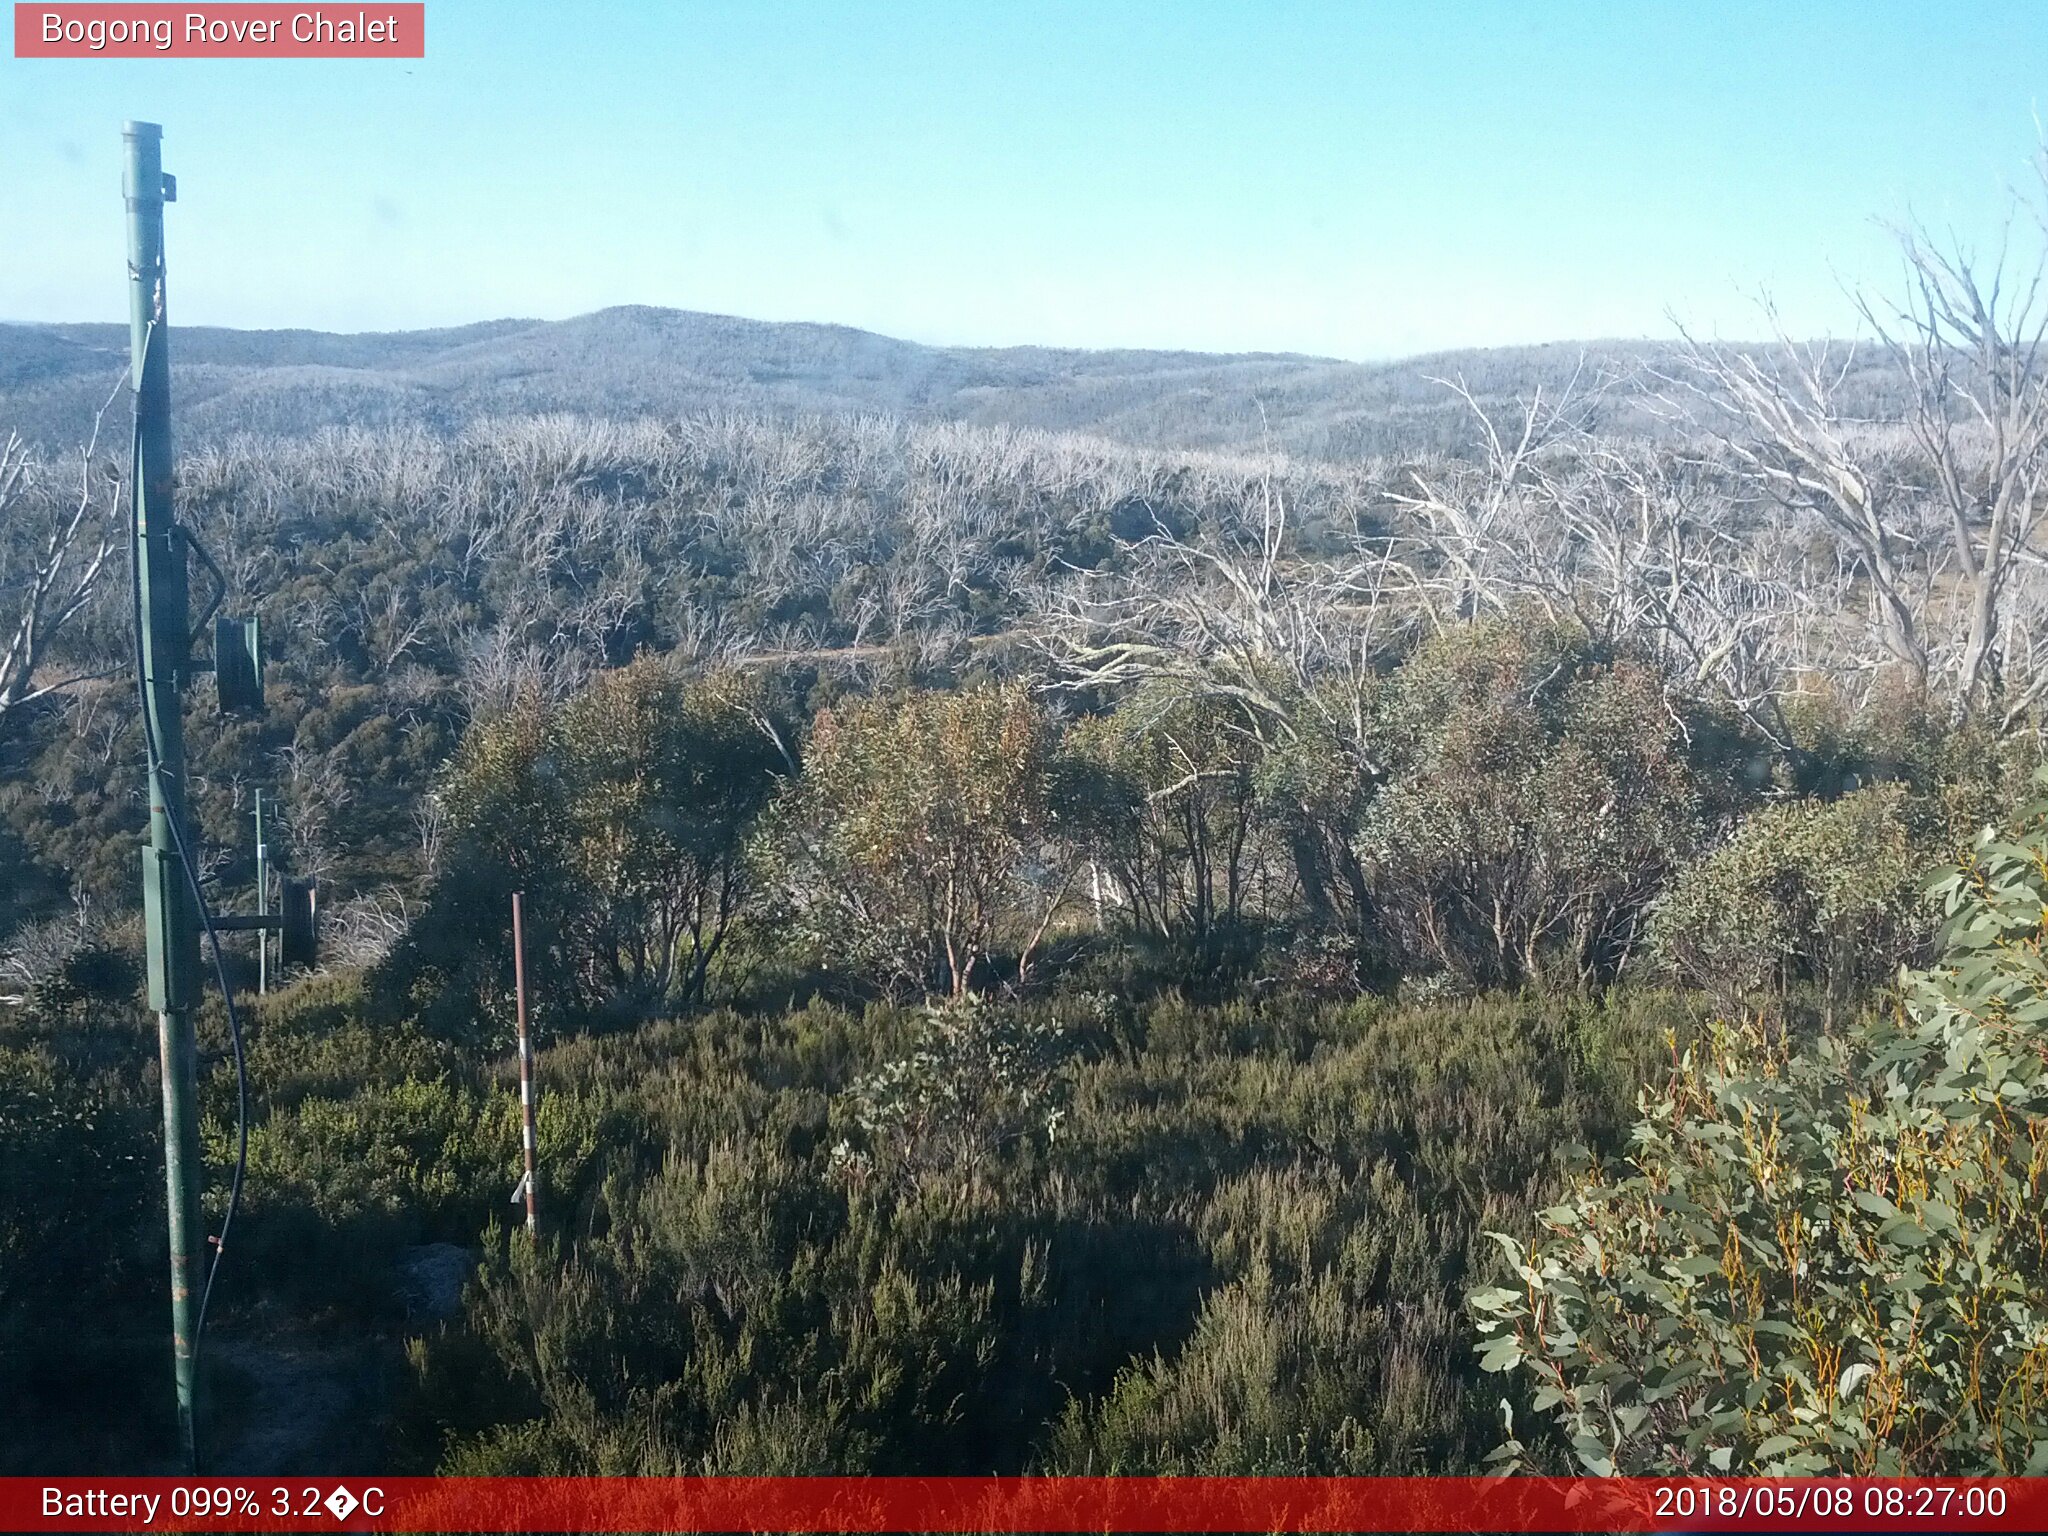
column 262, row 901
column 526, row 1133
column 163, row 620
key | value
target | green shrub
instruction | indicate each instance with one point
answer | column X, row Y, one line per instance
column 977, row 1080
column 320, row 1039
column 81, row 1232
column 1170, row 806
column 1296, row 1365
column 623, row 815
column 1243, row 1251
column 1805, row 891
column 1820, row 1258
column 1537, row 795
column 434, row 1154
column 911, row 851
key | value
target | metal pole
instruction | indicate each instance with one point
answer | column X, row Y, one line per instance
column 532, row 1180
column 163, row 620
column 262, row 900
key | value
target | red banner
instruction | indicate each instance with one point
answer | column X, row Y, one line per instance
column 230, row 31
column 1049, row 1504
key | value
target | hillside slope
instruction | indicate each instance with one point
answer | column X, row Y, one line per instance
column 635, row 360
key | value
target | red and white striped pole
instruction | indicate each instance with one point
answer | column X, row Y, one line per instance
column 530, row 1184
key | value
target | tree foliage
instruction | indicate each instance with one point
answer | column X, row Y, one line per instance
column 912, row 849
column 1538, row 794
column 623, row 813
column 1169, row 806
column 975, row 1079
column 1821, row 1256
column 1823, row 892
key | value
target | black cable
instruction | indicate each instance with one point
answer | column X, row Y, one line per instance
column 220, row 973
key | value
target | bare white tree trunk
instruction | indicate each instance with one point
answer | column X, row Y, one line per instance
column 61, row 573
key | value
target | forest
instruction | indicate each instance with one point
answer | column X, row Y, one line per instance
column 636, row 361
column 1052, row 953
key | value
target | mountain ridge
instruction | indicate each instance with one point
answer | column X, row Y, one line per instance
column 638, row 360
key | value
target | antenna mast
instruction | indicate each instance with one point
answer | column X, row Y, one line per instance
column 164, row 645
column 174, row 908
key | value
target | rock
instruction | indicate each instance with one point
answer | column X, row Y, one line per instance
column 430, row 1281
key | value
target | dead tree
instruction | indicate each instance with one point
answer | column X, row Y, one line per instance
column 1937, row 502
column 1782, row 427
column 58, row 575
column 1629, row 544
column 1968, row 340
column 1230, row 617
column 1284, row 645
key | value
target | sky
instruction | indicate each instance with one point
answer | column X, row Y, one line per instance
column 1361, row 179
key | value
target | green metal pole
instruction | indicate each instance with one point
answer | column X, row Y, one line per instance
column 172, row 925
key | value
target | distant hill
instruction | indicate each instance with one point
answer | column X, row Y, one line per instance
column 635, row 361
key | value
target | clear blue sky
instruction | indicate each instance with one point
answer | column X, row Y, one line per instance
column 1357, row 179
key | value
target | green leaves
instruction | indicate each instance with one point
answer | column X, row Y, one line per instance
column 978, row 1080
column 921, row 837
column 1807, row 890
column 1821, row 1256
column 1503, row 1352
column 624, row 814
column 1536, row 794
